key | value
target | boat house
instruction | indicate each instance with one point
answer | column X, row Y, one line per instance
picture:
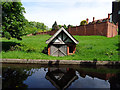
column 61, row 43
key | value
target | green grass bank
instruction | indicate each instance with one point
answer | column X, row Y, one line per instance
column 89, row 48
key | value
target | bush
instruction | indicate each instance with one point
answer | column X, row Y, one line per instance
column 34, row 33
column 84, row 22
column 104, row 20
column 98, row 21
column 7, row 35
column 15, row 48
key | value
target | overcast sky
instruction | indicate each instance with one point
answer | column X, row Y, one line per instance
column 66, row 11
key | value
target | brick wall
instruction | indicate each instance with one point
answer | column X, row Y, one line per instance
column 52, row 32
column 42, row 33
column 101, row 29
column 104, row 29
column 90, row 29
column 112, row 30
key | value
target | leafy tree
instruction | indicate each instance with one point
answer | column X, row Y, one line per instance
column 83, row 22
column 60, row 26
column 55, row 26
column 41, row 26
column 65, row 27
column 34, row 27
column 98, row 21
column 13, row 20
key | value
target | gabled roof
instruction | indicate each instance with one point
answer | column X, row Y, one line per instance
column 58, row 32
column 58, row 78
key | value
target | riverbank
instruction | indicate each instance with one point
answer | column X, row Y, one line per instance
column 59, row 62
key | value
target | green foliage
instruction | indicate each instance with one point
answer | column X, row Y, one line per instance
column 34, row 27
column 98, row 21
column 84, row 22
column 60, row 26
column 55, row 26
column 89, row 48
column 117, row 29
column 104, row 20
column 37, row 25
column 34, row 33
column 29, row 30
column 64, row 26
column 13, row 18
column 7, row 35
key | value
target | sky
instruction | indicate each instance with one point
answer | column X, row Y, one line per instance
column 66, row 11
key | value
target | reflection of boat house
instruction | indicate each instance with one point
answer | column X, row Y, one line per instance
column 61, row 43
column 61, row 78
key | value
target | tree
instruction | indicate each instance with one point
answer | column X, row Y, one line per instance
column 60, row 26
column 65, row 27
column 13, row 20
column 55, row 26
column 34, row 27
column 83, row 22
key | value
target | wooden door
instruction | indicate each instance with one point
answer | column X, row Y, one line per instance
column 54, row 50
column 58, row 50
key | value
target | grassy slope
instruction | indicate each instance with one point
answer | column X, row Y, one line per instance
column 89, row 48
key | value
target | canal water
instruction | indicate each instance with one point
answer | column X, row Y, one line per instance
column 59, row 77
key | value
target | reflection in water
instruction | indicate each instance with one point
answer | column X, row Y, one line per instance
column 13, row 78
column 60, row 77
column 115, row 81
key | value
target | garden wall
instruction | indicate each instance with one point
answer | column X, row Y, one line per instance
column 104, row 29
column 112, row 30
column 41, row 33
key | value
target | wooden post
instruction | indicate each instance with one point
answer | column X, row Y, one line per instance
column 48, row 50
column 74, row 49
column 67, row 50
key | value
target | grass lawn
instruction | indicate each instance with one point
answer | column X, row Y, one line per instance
column 89, row 48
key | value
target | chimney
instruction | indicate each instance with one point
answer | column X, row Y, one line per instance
column 87, row 20
column 109, row 16
column 93, row 19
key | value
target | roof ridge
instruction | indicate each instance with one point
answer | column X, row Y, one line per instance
column 66, row 32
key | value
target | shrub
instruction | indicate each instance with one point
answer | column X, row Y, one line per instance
column 7, row 35
column 15, row 48
column 34, row 33
column 104, row 20
column 98, row 21
column 84, row 22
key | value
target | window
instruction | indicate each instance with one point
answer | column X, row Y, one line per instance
column 70, row 49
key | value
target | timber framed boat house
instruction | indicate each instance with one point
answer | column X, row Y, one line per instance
column 62, row 43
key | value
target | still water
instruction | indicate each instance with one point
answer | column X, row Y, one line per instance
column 59, row 77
